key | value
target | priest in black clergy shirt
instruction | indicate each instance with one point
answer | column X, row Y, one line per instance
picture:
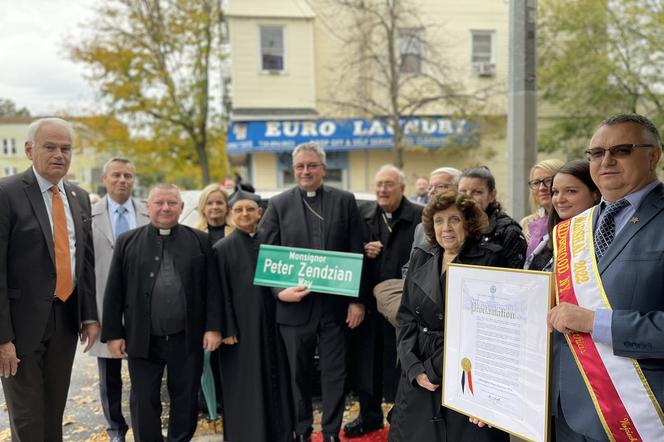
column 254, row 369
column 161, row 311
column 315, row 216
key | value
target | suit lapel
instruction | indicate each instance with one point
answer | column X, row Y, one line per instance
column 652, row 204
column 103, row 219
column 142, row 217
column 39, row 207
column 427, row 278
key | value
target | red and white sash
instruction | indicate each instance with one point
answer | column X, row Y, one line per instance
column 625, row 404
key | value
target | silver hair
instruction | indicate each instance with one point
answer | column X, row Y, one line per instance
column 451, row 171
column 393, row 168
column 311, row 146
column 117, row 160
column 165, row 186
column 37, row 124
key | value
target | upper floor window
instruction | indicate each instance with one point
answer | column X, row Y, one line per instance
column 9, row 146
column 483, row 57
column 410, row 51
column 272, row 48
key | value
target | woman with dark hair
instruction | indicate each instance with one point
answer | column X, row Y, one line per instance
column 572, row 192
column 479, row 184
column 453, row 224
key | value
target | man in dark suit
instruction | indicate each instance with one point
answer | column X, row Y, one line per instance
column 391, row 222
column 47, row 293
column 626, row 326
column 114, row 214
column 160, row 312
column 314, row 216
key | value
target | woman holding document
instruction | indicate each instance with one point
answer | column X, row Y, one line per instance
column 453, row 225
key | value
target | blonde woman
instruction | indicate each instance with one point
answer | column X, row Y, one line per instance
column 213, row 213
column 534, row 225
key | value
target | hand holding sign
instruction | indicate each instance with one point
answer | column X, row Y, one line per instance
column 293, row 294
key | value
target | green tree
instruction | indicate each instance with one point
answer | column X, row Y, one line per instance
column 8, row 109
column 156, row 64
column 597, row 58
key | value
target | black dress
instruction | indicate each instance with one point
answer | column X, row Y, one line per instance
column 417, row 415
column 254, row 371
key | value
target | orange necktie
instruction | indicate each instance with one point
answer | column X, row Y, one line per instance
column 63, row 282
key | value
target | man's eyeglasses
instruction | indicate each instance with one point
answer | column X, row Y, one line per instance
column 535, row 184
column 388, row 185
column 309, row 166
column 440, row 187
column 617, row 151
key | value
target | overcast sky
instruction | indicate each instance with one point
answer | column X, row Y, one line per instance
column 34, row 70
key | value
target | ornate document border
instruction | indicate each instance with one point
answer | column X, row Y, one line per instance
column 496, row 347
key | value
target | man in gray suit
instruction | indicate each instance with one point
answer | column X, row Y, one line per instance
column 114, row 214
column 626, row 327
column 46, row 282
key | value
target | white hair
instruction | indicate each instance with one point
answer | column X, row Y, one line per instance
column 393, row 168
column 37, row 124
column 311, row 146
column 451, row 171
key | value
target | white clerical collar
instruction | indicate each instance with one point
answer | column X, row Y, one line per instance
column 388, row 215
column 311, row 194
column 164, row 232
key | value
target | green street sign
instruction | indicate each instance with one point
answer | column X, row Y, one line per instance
column 321, row 271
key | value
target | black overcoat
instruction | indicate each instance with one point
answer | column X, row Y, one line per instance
column 134, row 267
column 418, row 415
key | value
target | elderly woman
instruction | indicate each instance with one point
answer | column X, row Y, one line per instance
column 541, row 177
column 453, row 225
column 212, row 213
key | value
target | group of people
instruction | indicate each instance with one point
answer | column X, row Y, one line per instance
column 165, row 293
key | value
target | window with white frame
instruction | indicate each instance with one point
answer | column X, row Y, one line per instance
column 410, row 51
column 272, row 48
column 10, row 170
column 483, row 58
column 12, row 147
column 5, row 146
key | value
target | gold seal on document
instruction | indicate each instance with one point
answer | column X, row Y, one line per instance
column 465, row 364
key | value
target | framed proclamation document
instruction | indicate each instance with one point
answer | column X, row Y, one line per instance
column 496, row 347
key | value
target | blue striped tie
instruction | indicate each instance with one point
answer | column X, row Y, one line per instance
column 606, row 231
column 121, row 223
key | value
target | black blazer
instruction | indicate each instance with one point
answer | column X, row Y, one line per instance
column 27, row 262
column 284, row 224
column 131, row 280
column 397, row 250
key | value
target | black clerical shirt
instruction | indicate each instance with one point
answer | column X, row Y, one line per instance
column 167, row 306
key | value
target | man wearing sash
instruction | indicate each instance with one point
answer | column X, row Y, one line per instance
column 608, row 365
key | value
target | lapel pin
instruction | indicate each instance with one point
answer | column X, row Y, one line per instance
column 73, row 193
column 634, row 219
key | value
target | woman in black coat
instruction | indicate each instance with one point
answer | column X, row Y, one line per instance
column 479, row 184
column 453, row 225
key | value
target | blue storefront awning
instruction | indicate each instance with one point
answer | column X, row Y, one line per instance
column 347, row 135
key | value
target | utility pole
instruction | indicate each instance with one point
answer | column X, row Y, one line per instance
column 522, row 108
